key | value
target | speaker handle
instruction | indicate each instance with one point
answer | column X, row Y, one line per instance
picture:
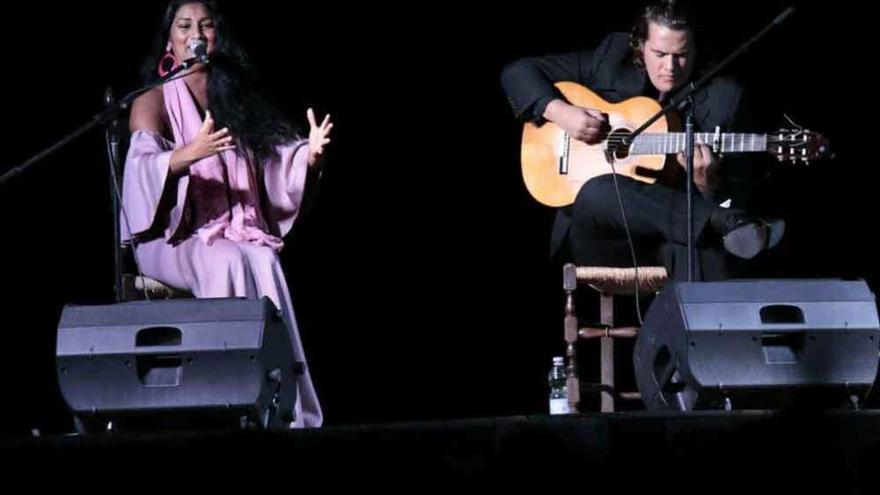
column 782, row 314
column 159, row 337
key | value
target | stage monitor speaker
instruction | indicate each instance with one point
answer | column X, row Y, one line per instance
column 758, row 344
column 194, row 363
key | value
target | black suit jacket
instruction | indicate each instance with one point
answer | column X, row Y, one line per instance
column 610, row 72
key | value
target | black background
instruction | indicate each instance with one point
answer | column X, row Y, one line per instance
column 420, row 279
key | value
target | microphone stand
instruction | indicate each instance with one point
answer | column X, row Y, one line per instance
column 110, row 112
column 684, row 98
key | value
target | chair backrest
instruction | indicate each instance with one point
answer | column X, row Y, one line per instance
column 127, row 283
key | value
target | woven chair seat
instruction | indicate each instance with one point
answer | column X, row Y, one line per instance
column 621, row 281
column 135, row 286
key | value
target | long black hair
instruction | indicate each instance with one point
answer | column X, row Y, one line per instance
column 236, row 97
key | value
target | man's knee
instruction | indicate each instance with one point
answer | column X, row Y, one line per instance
column 598, row 197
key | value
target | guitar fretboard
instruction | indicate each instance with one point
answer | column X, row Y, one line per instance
column 674, row 142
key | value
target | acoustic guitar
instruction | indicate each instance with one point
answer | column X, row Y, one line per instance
column 555, row 165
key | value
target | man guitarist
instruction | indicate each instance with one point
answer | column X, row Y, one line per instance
column 655, row 60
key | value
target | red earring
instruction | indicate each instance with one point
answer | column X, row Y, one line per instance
column 167, row 63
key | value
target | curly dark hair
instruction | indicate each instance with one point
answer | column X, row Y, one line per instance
column 673, row 14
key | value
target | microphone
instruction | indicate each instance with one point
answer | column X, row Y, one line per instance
column 783, row 16
column 198, row 51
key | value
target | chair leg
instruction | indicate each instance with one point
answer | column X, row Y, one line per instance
column 606, row 314
column 572, row 382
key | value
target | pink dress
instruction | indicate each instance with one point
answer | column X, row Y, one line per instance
column 217, row 231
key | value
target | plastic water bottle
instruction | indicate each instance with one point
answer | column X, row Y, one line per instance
column 558, row 392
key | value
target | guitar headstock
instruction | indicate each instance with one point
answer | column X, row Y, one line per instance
column 798, row 145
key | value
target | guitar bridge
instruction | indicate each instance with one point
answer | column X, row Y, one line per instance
column 564, row 155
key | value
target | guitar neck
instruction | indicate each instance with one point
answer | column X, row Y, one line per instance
column 674, row 142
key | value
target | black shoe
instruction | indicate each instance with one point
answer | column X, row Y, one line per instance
column 744, row 236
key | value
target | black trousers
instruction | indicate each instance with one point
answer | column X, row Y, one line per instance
column 657, row 217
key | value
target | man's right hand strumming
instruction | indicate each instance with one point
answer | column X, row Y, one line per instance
column 584, row 124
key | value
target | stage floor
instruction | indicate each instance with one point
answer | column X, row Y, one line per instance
column 742, row 452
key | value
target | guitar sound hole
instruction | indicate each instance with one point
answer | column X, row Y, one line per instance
column 615, row 140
